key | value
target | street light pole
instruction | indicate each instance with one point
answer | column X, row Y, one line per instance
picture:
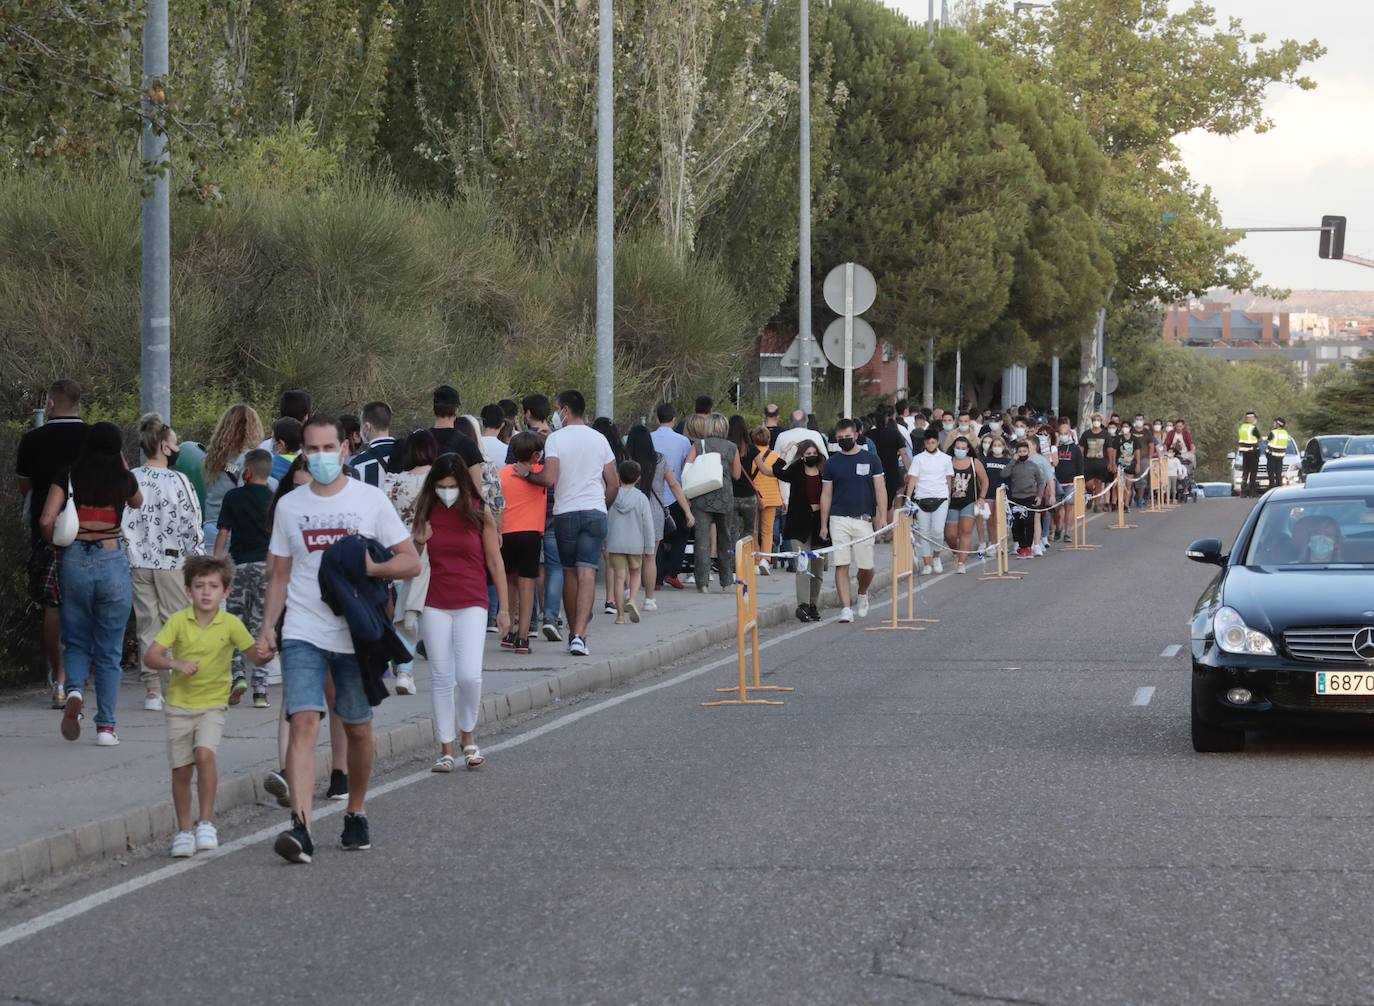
column 155, row 392
column 804, row 339
column 605, row 215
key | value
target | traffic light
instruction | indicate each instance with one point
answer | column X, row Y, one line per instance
column 1333, row 241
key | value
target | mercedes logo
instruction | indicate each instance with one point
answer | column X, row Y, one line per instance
column 1363, row 644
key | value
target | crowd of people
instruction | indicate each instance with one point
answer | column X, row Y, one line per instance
column 325, row 553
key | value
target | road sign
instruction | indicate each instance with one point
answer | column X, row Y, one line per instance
column 865, row 342
column 791, row 359
column 865, row 290
column 1110, row 382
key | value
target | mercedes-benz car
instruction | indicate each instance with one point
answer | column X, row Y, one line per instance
column 1285, row 630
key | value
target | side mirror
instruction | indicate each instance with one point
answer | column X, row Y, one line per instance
column 1207, row 550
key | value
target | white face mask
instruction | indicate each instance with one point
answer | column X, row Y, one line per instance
column 448, row 495
column 998, row 450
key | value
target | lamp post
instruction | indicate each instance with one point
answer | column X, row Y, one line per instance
column 605, row 215
column 804, row 337
column 155, row 384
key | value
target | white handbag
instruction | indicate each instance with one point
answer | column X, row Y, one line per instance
column 704, row 475
column 67, row 524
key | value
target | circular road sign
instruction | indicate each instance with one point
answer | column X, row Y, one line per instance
column 865, row 289
column 865, row 342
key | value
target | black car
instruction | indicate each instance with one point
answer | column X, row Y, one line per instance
column 1285, row 631
column 1320, row 450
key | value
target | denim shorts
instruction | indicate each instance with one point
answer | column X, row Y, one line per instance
column 580, row 535
column 953, row 515
column 303, row 667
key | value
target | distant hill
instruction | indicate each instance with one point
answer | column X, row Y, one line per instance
column 1333, row 303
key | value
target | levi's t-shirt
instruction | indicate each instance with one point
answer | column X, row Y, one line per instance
column 304, row 526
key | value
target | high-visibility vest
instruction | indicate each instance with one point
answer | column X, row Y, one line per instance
column 1278, row 442
column 1247, row 434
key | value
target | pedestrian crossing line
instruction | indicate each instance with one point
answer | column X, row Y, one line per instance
column 1172, row 650
column 1143, row 695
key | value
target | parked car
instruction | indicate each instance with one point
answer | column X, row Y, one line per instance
column 1292, row 466
column 1319, row 450
column 1285, row 630
column 1358, row 447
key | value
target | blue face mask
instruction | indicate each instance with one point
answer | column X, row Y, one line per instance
column 324, row 468
column 959, row 452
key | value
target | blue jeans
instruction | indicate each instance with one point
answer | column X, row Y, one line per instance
column 97, row 596
column 553, row 575
column 303, row 667
column 581, row 535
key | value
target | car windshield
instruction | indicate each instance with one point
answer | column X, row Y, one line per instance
column 1358, row 446
column 1332, row 448
column 1318, row 533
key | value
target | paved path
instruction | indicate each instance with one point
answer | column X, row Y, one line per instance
column 1005, row 809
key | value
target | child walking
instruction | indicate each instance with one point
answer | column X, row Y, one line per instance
column 629, row 537
column 243, row 531
column 204, row 638
column 522, row 537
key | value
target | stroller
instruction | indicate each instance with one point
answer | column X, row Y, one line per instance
column 1186, row 490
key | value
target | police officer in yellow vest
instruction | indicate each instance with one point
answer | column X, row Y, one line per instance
column 1247, row 450
column 1277, row 449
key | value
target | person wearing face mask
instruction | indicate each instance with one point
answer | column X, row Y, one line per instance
column 159, row 536
column 996, row 460
column 1025, row 484
column 802, row 524
column 1316, row 539
column 1040, row 534
column 948, row 431
column 968, row 484
column 315, row 642
column 1096, row 459
column 853, row 493
column 1142, row 443
column 464, row 547
column 1068, row 466
column 928, row 485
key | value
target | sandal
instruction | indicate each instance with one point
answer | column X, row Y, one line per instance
column 472, row 757
column 444, row 764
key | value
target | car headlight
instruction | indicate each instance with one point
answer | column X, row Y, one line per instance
column 1234, row 636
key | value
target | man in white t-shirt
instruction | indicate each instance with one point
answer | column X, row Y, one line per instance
column 492, row 448
column 579, row 464
column 928, row 486
column 316, row 642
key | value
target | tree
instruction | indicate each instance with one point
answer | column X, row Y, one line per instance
column 1344, row 403
column 1140, row 75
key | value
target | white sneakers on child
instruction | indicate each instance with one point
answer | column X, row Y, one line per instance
column 207, row 837
column 186, row 844
column 183, row 845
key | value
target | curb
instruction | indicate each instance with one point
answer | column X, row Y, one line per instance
column 124, row 833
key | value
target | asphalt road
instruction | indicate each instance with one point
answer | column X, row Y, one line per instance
column 997, row 810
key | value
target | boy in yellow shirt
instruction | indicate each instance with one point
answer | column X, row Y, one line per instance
column 204, row 638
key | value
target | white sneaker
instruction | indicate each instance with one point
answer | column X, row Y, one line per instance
column 1037, row 551
column 982, row 551
column 551, row 633
column 207, row 837
column 959, row 568
column 846, row 614
column 577, row 646
column 763, row 569
column 649, row 604
column 405, row 684
column 183, row 845
column 863, row 605
column 153, row 703
column 106, row 738
column 938, row 566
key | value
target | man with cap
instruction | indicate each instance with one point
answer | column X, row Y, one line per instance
column 1247, row 450
column 1276, row 451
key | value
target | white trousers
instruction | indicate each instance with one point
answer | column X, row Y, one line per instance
column 453, row 647
column 932, row 528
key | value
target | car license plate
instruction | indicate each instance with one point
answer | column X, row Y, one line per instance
column 1345, row 683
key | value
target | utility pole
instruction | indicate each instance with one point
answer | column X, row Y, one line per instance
column 928, row 386
column 1054, row 385
column 605, row 215
column 804, row 337
column 155, row 394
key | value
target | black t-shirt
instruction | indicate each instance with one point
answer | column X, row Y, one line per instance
column 744, row 487
column 1094, row 450
column 889, row 443
column 42, row 453
column 453, row 442
column 244, row 515
column 1143, row 440
column 997, row 472
column 773, row 433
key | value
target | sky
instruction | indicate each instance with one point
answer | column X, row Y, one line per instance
column 1318, row 158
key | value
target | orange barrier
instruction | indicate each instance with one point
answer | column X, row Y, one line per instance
column 1002, row 547
column 1080, row 517
column 1123, row 491
column 747, row 632
column 903, row 570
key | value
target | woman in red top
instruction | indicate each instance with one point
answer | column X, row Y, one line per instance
column 464, row 550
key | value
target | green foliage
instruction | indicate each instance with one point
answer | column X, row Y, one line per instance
column 1343, row 403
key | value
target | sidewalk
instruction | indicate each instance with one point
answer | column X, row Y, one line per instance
column 73, row 802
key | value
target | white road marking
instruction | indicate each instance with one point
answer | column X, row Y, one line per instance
column 1142, row 698
column 92, row 901
column 1172, row 651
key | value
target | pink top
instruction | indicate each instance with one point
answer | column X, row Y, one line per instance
column 457, row 562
